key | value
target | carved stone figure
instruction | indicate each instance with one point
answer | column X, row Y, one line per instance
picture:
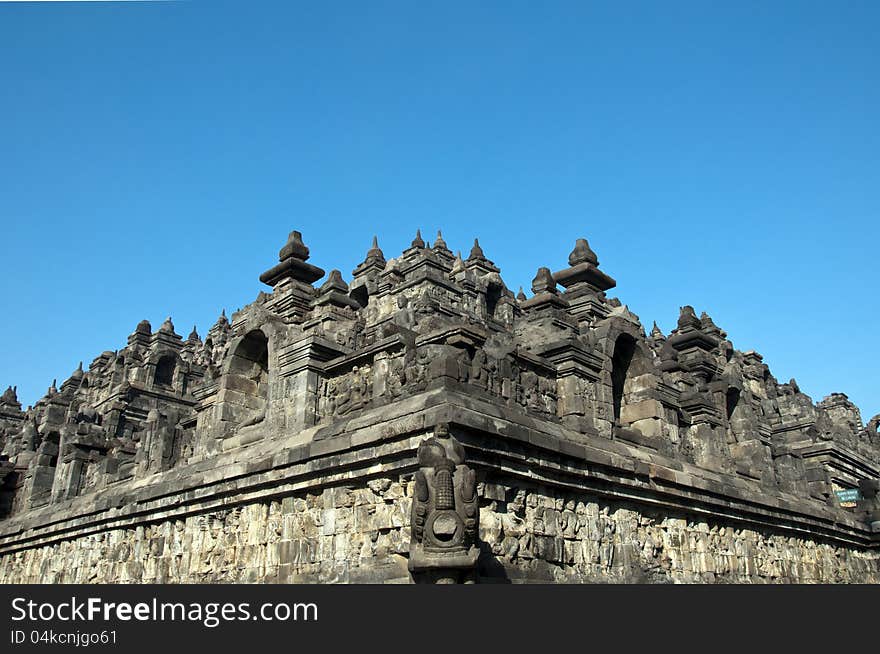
column 873, row 428
column 405, row 316
column 445, row 514
column 479, row 374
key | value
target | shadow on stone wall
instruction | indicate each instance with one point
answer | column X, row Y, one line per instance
column 490, row 570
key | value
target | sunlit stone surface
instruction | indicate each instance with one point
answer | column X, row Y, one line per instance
column 422, row 422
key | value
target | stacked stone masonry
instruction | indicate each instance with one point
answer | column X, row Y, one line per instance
column 424, row 423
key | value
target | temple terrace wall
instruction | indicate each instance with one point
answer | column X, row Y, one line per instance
column 333, row 504
column 362, row 534
column 425, row 423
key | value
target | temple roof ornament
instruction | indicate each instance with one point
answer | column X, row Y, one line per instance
column 374, row 262
column 10, row 396
column 292, row 264
column 582, row 253
column 457, row 265
column 375, row 252
column 656, row 332
column 478, row 260
column 439, row 243
column 543, row 282
column 294, row 248
column 709, row 326
column 688, row 318
column 583, row 274
column 476, row 252
column 334, row 283
column 335, row 291
column 222, row 321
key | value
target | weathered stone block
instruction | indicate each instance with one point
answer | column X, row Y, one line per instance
column 633, row 412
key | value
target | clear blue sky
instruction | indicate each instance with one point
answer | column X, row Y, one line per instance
column 154, row 156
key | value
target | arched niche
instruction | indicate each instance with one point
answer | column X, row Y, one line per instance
column 248, row 375
column 360, row 294
column 251, row 356
column 118, row 371
column 166, row 366
column 628, row 362
column 494, row 292
column 732, row 402
column 737, row 419
column 51, row 443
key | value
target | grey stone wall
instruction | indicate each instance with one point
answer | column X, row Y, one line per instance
column 338, row 535
column 540, row 535
column 283, row 446
column 350, row 535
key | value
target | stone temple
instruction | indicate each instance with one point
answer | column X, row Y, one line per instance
column 423, row 423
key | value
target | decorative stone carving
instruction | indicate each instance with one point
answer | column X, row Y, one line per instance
column 870, row 491
column 445, row 513
column 315, row 371
column 873, row 428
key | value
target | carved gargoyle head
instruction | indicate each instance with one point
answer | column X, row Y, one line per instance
column 445, row 513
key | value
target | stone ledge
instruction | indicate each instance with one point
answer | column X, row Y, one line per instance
column 384, row 439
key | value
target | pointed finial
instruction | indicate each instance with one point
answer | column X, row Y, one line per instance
column 167, row 326
column 222, row 320
column 476, row 252
column 439, row 243
column 688, row 318
column 294, row 248
column 544, row 282
column 417, row 241
column 458, row 264
column 193, row 335
column 582, row 253
column 707, row 322
column 656, row 332
column 334, row 283
column 521, row 296
column 375, row 252
column 9, row 396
